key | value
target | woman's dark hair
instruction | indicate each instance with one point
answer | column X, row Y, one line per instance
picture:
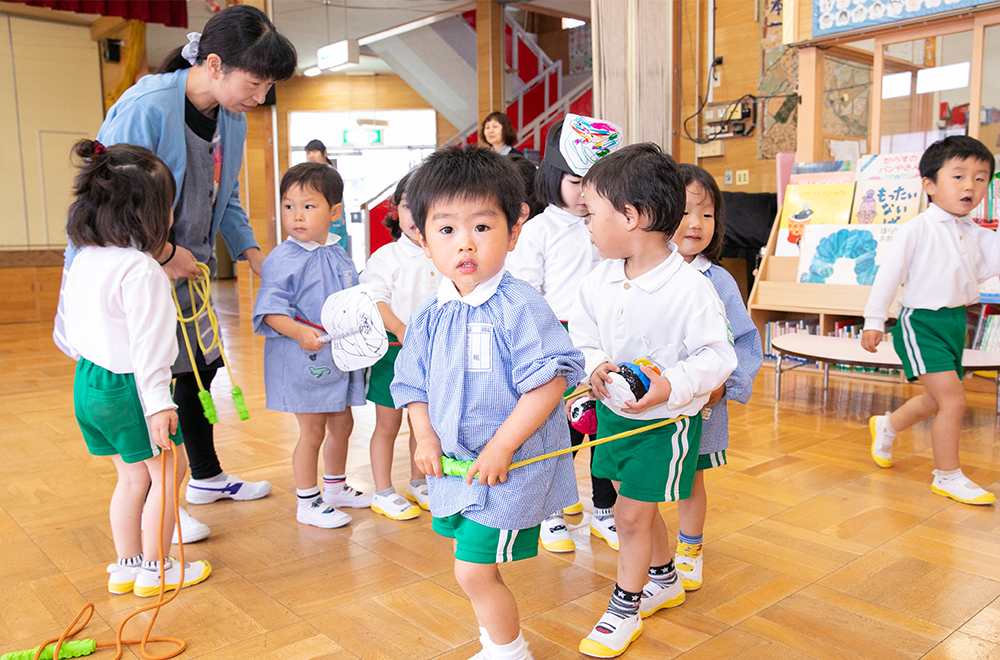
column 548, row 185
column 465, row 173
column 509, row 134
column 528, row 170
column 124, row 196
column 692, row 174
column 316, row 145
column 643, row 177
column 391, row 219
column 245, row 39
column 321, row 177
column 961, row 147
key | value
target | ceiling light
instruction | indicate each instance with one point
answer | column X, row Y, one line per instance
column 338, row 56
column 570, row 23
column 312, row 71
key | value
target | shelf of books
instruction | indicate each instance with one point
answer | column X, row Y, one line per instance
column 827, row 243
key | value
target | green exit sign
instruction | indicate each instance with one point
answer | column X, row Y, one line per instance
column 363, row 136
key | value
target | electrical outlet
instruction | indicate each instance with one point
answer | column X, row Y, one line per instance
column 716, row 78
column 709, row 149
column 729, row 177
column 742, row 177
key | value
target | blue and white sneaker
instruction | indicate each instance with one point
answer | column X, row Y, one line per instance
column 201, row 491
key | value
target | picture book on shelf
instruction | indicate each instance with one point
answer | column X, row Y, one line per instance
column 808, row 205
column 886, row 201
column 832, row 254
column 822, row 177
column 823, row 166
column 890, row 166
column 988, row 211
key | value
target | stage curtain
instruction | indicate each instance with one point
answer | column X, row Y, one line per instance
column 172, row 13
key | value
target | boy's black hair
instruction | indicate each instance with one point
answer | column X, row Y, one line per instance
column 960, row 147
column 465, row 173
column 694, row 174
column 391, row 219
column 316, row 145
column 642, row 176
column 123, row 198
column 245, row 39
column 508, row 133
column 548, row 185
column 321, row 177
column 528, row 172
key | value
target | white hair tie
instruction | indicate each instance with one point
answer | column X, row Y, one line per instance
column 190, row 50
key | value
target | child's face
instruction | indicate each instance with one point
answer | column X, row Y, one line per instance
column 698, row 224
column 306, row 215
column 960, row 185
column 406, row 222
column 468, row 240
column 608, row 226
column 571, row 189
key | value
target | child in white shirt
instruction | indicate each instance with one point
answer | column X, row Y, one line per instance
column 939, row 256
column 401, row 278
column 120, row 325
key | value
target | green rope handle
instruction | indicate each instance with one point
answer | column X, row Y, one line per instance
column 69, row 649
column 208, row 406
column 241, row 405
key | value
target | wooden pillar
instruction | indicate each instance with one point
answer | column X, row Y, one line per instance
column 810, row 125
column 490, row 57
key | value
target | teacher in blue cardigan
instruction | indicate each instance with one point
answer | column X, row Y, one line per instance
column 191, row 115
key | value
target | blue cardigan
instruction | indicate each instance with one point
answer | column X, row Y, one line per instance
column 151, row 114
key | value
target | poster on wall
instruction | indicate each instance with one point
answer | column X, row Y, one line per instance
column 833, row 16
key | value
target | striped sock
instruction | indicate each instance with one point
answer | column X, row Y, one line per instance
column 307, row 496
column 623, row 605
column 131, row 561
column 663, row 576
column 690, row 540
column 601, row 514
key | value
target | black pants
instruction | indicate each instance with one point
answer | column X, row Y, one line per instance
column 604, row 491
column 199, row 439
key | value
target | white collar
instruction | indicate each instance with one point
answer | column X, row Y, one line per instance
column 701, row 262
column 562, row 215
column 937, row 213
column 504, row 150
column 483, row 291
column 331, row 239
column 408, row 246
column 652, row 279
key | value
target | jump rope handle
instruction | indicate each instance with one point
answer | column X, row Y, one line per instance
column 455, row 468
column 69, row 649
column 240, row 404
column 208, row 406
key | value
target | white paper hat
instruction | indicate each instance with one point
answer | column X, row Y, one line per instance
column 585, row 140
column 357, row 334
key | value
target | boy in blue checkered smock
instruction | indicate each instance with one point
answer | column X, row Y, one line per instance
column 482, row 370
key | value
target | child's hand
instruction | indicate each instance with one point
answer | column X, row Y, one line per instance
column 308, row 339
column 571, row 402
column 658, row 392
column 870, row 339
column 427, row 456
column 491, row 464
column 717, row 395
column 600, row 377
column 161, row 425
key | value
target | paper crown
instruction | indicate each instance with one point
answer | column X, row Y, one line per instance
column 578, row 142
column 356, row 332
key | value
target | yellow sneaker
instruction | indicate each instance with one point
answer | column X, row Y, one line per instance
column 147, row 580
column 573, row 509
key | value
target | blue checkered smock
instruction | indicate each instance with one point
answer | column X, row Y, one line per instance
column 518, row 345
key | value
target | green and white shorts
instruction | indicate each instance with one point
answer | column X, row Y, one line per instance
column 708, row 461
column 479, row 544
column 930, row 341
column 655, row 466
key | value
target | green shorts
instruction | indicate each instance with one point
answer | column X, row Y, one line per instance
column 656, row 466
column 380, row 375
column 109, row 413
column 929, row 341
column 708, row 461
column 479, row 544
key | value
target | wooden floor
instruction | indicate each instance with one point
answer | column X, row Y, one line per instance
column 811, row 550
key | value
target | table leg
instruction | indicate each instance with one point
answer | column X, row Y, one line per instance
column 777, row 378
column 826, row 375
column 998, row 392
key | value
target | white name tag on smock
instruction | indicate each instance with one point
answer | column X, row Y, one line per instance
column 479, row 347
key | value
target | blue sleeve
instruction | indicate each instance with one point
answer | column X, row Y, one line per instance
column 130, row 123
column 409, row 382
column 749, row 351
column 540, row 348
column 235, row 226
column 276, row 294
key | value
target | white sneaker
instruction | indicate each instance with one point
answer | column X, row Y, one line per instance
column 611, row 636
column 395, row 507
column 229, row 487
column 573, row 509
column 346, row 496
column 192, row 529
column 689, row 566
column 147, row 580
column 881, row 442
column 320, row 514
column 605, row 529
column 656, row 598
column 419, row 496
column 555, row 535
column 121, row 579
column 961, row 489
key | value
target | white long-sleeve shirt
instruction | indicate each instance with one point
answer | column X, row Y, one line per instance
column 552, row 254
column 939, row 259
column 401, row 276
column 120, row 315
column 670, row 315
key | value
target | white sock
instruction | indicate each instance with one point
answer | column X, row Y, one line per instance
column 948, row 475
column 307, row 496
column 516, row 650
column 889, row 431
column 222, row 476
